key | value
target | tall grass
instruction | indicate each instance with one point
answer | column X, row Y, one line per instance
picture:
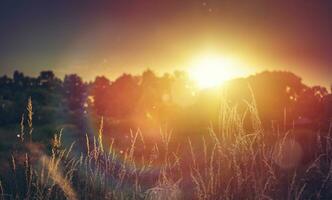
column 231, row 161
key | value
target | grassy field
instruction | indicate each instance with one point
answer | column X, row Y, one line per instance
column 231, row 161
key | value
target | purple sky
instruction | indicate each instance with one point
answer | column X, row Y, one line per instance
column 112, row 37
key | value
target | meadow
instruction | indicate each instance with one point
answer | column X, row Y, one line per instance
column 230, row 161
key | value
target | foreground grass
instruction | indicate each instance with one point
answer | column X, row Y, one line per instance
column 232, row 161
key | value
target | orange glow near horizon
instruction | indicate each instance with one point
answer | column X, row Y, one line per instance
column 213, row 70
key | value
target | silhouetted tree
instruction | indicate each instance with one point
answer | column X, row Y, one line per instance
column 275, row 92
column 100, row 93
column 18, row 78
column 74, row 92
column 123, row 95
column 47, row 80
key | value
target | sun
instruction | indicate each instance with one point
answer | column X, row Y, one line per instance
column 212, row 70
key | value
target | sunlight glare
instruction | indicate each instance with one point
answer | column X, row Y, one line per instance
column 211, row 71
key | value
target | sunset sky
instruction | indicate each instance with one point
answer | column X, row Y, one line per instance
column 112, row 37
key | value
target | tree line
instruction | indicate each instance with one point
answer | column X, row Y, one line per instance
column 148, row 99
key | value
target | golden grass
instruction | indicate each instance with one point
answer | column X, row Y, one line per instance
column 230, row 162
